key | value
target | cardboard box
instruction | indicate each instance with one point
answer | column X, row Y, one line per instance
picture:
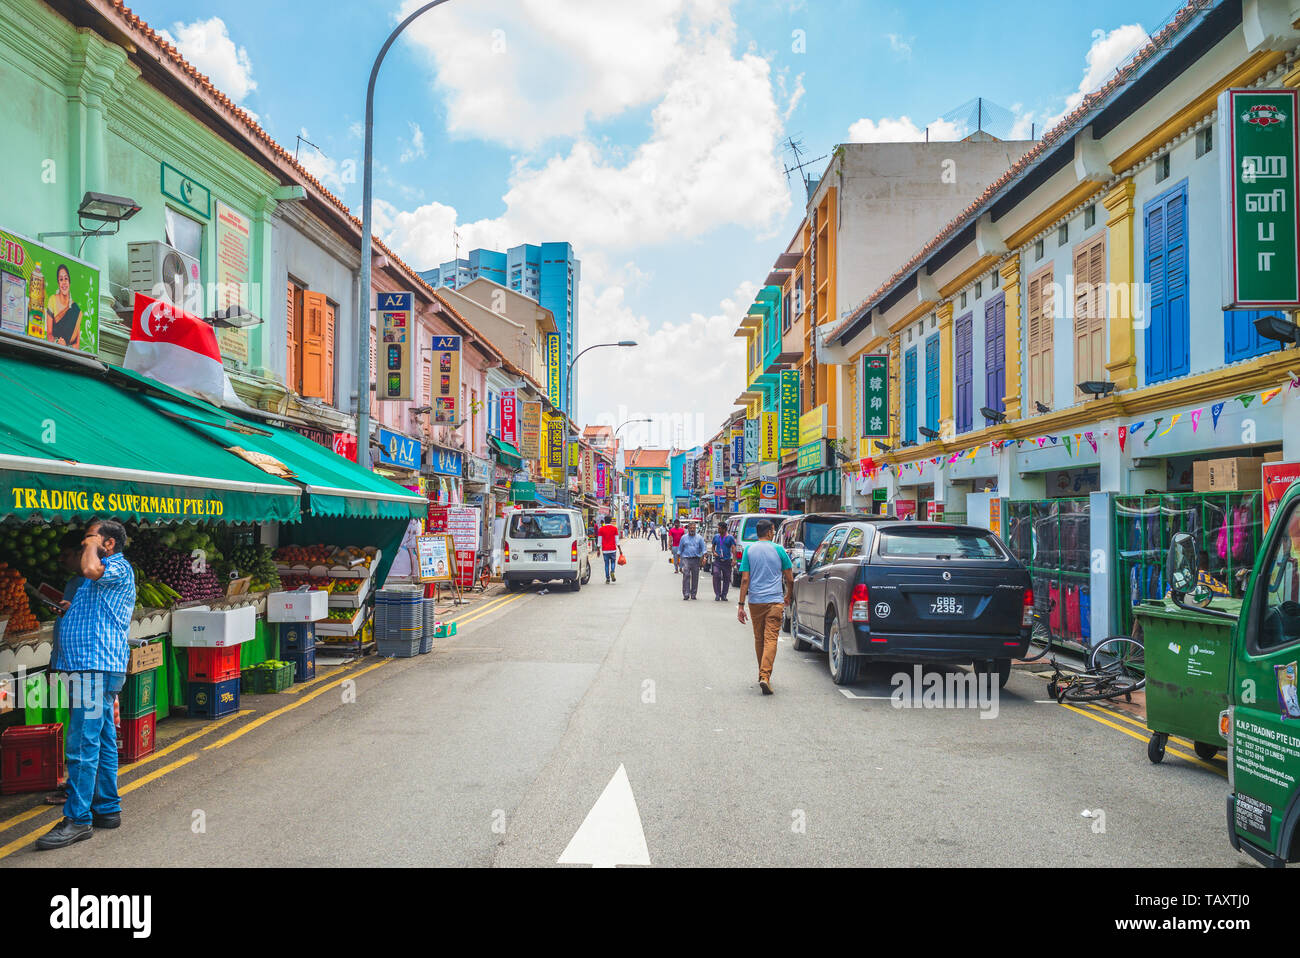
column 1227, row 475
column 145, row 657
column 309, row 606
column 204, row 628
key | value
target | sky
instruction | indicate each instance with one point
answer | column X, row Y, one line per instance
column 652, row 136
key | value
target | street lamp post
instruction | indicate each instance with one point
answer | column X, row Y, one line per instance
column 363, row 307
column 568, row 379
column 620, row 426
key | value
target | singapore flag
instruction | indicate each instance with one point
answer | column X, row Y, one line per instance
column 179, row 349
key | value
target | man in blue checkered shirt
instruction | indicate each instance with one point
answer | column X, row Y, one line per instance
column 94, row 650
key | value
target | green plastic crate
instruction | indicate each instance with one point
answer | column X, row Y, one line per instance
column 140, row 694
column 258, row 681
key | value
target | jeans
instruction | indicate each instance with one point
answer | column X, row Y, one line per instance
column 92, row 746
column 690, row 575
column 611, row 559
column 766, row 619
column 721, row 577
column 663, row 543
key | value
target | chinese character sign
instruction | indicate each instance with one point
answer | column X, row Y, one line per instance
column 875, row 396
column 789, row 408
column 1261, row 222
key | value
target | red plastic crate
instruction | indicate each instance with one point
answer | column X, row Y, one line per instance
column 31, row 758
column 135, row 738
column 213, row 665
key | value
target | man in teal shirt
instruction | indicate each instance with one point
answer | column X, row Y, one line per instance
column 767, row 580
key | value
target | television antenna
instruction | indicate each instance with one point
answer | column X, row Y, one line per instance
column 795, row 146
column 298, row 146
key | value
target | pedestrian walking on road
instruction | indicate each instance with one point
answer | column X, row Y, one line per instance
column 767, row 581
column 722, row 547
column 93, row 648
column 609, row 548
column 690, row 553
column 674, row 539
column 663, row 537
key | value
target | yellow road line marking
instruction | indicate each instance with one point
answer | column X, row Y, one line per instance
column 297, row 689
column 17, row 843
column 1143, row 738
column 482, row 612
column 26, row 816
column 1186, row 743
column 263, row 719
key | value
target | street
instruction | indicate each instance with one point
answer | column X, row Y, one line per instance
column 493, row 750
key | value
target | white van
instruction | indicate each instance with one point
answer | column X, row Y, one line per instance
column 545, row 544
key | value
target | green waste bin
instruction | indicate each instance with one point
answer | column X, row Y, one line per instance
column 1188, row 656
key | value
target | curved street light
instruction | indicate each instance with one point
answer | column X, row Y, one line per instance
column 363, row 307
column 568, row 383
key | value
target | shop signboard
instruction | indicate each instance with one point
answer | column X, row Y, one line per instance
column 718, row 470
column 478, row 471
column 553, row 369
column 530, row 431
column 523, row 491
column 396, row 331
column 790, row 390
column 903, row 508
column 398, row 450
column 463, row 524
column 812, row 456
column 812, row 425
column 600, row 479
column 554, row 442
column 995, row 516
column 875, row 396
column 935, row 510
column 1261, row 223
column 445, row 462
column 1277, row 478
column 769, row 451
column 737, row 452
column 234, row 254
column 753, row 432
column 446, row 381
column 509, row 417
column 48, row 295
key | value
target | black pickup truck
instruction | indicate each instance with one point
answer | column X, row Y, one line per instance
column 911, row 592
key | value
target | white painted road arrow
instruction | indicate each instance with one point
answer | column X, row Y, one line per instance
column 611, row 834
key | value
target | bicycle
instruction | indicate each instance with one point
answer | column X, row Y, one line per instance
column 1116, row 666
column 1040, row 634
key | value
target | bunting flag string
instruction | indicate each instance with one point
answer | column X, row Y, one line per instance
column 1215, row 412
column 1196, row 419
column 1172, row 423
column 1091, row 440
column 1068, row 450
column 1123, row 435
column 1245, row 399
column 1265, row 397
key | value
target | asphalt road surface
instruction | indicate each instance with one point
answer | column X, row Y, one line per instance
column 495, row 750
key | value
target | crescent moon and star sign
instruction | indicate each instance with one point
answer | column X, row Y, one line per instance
column 156, row 319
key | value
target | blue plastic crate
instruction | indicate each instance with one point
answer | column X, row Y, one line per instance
column 213, row 699
column 398, row 648
column 297, row 637
column 304, row 664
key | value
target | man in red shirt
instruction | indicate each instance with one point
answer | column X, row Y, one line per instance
column 675, row 540
column 609, row 547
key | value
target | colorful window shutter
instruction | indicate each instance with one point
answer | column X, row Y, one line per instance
column 658, row 484
column 995, row 352
column 1165, row 249
column 328, row 372
column 1240, row 338
column 291, row 335
column 932, row 382
column 313, row 344
column 1041, row 317
column 963, row 369
column 909, row 394
column 1089, row 313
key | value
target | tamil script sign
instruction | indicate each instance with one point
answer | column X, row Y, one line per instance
column 790, row 389
column 875, row 396
column 1261, row 224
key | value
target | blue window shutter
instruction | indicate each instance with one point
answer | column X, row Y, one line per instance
column 909, row 395
column 963, row 352
column 995, row 352
column 1165, row 258
column 932, row 382
column 1240, row 338
column 1176, row 289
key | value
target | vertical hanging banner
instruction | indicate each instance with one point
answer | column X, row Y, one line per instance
column 790, row 388
column 717, row 471
column 555, row 447
column 396, row 330
column 234, row 254
column 753, row 432
column 1261, row 224
column 737, row 453
column 553, row 369
column 875, row 396
column 770, row 451
column 509, row 417
column 446, row 381
column 600, row 479
column 530, row 431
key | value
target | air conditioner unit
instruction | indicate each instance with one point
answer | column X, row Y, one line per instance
column 163, row 272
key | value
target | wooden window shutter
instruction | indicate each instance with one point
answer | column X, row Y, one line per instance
column 313, row 344
column 328, row 371
column 426, row 385
column 291, row 336
column 1089, row 312
column 1034, row 322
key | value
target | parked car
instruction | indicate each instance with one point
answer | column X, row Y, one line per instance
column 542, row 545
column 801, row 535
column 882, row 589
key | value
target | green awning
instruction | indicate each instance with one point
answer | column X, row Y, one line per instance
column 336, row 487
column 797, row 488
column 507, row 454
column 74, row 445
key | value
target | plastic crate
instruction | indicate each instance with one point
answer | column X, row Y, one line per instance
column 399, row 648
column 297, row 637
column 139, row 694
column 213, row 699
column 135, row 739
column 213, row 664
column 257, row 681
column 304, row 664
column 31, row 758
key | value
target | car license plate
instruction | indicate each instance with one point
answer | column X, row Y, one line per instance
column 539, row 556
column 945, row 605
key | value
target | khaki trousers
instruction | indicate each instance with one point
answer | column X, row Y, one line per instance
column 766, row 619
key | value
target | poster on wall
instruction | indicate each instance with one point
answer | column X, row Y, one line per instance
column 48, row 295
column 234, row 256
column 446, row 381
column 530, row 431
column 396, row 328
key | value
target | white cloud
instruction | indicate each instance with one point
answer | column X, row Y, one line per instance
column 901, row 48
column 415, row 148
column 1108, row 52
column 206, row 44
column 334, row 175
column 901, row 130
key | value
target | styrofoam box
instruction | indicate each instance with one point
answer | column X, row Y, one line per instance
column 202, row 627
column 310, row 606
